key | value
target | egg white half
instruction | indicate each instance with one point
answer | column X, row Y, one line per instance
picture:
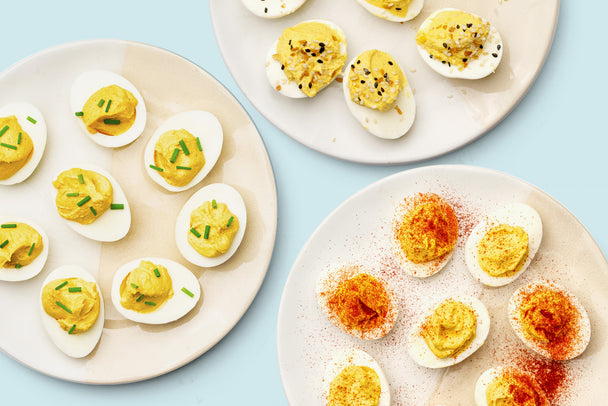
column 489, row 375
column 174, row 308
column 201, row 124
column 477, row 68
column 422, row 354
column 112, row 225
column 222, row 193
column 272, row 8
column 37, row 133
column 514, row 214
column 276, row 76
column 388, row 124
column 356, row 357
column 73, row 345
column 88, row 83
column 28, row 271
column 581, row 331
column 413, row 10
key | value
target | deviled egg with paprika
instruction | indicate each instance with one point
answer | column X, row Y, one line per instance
column 508, row 386
column 24, row 248
column 272, row 8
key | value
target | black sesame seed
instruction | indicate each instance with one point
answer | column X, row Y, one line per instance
column 498, row 47
column 310, row 85
column 366, row 71
column 445, row 45
column 480, row 46
column 289, row 42
column 443, row 62
column 321, row 50
column 390, row 63
column 449, row 64
column 358, row 62
column 386, row 77
column 469, row 25
column 300, row 86
column 363, row 81
column 464, row 59
column 321, row 44
column 352, row 67
column 430, row 56
column 398, row 8
column 495, row 55
column 313, row 54
column 319, row 60
column 376, row 85
column 379, row 93
column 382, row 89
column 307, row 50
column 458, row 27
column 265, row 9
column 282, row 67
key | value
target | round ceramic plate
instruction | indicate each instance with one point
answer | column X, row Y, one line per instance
column 358, row 232
column 169, row 84
column 450, row 113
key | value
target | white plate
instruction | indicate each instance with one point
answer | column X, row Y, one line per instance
column 357, row 231
column 450, row 113
column 129, row 351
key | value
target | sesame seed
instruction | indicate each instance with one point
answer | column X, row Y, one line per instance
column 390, row 63
column 319, row 60
column 498, row 47
column 495, row 55
column 445, row 45
column 464, row 59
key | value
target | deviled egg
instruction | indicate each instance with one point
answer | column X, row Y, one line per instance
column 183, row 150
column 22, row 141
column 92, row 203
column 424, row 233
column 393, row 10
column 378, row 95
column 154, row 290
column 449, row 332
column 272, row 8
column 354, row 377
column 211, row 225
column 72, row 310
column 24, row 248
column 306, row 58
column 109, row 108
column 358, row 301
column 457, row 44
column 501, row 247
column 508, row 385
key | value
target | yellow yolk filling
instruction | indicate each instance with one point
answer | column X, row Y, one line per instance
column 180, row 165
column 513, row 389
column 20, row 246
column 355, row 385
column 146, row 288
column 450, row 329
column 397, row 8
column 13, row 159
column 220, row 234
column 111, row 111
column 503, row 250
column 547, row 315
column 76, row 308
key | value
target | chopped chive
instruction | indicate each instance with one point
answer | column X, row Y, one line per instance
column 73, row 194
column 111, row 121
column 31, row 120
column 150, row 303
column 187, row 168
column 214, row 204
column 184, row 147
column 9, row 225
column 230, row 221
column 80, row 179
column 196, row 233
column 186, row 291
column 75, row 289
column 72, row 329
column 61, row 285
column 100, row 102
column 134, row 286
column 198, row 143
column 83, row 201
column 4, row 129
column 139, row 298
column 58, row 303
column 8, row 145
column 174, row 156
column 207, row 229
column 117, row 206
column 156, row 272
column 156, row 168
column 79, row 114
column 31, row 249
column 19, row 139
column 93, row 210
column 108, row 105
column 18, row 266
column 4, row 244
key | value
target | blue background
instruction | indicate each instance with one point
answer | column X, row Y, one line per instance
column 556, row 139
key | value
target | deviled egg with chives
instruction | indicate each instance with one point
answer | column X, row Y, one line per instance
column 24, row 248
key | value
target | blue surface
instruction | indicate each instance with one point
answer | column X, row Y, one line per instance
column 555, row 139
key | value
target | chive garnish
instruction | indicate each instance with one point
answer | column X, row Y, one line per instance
column 58, row 303
column 108, row 105
column 73, row 194
column 31, row 120
column 196, row 233
column 8, row 145
column 198, row 143
column 4, row 244
column 214, row 204
column 80, row 179
column 187, row 168
column 18, row 266
column 174, row 156
column 230, row 221
column 207, row 229
column 111, row 121
column 100, row 102
column 9, row 225
column 150, row 303
column 186, row 291
column 139, row 298
column 19, row 139
column 93, row 210
column 134, row 286
column 79, row 114
column 156, row 272
column 31, row 249
column 83, row 201
column 184, row 147
column 61, row 285
column 117, row 206
column 72, row 329
column 156, row 168
column 75, row 289
column 4, row 129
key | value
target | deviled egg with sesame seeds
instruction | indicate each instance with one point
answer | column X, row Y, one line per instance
column 378, row 95
column 393, row 10
column 272, row 8
column 306, row 58
column 24, row 248
column 461, row 45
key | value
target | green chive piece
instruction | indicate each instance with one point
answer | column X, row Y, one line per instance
column 108, row 105
column 100, row 102
column 72, row 329
column 19, row 139
column 83, row 201
column 111, row 121
column 174, row 156
column 214, row 204
column 196, row 233
column 186, row 291
column 80, row 179
column 139, row 298
column 207, row 229
column 4, row 244
column 8, row 145
column 117, row 206
column 9, row 225
column 156, row 168
column 184, row 147
column 187, row 168
column 134, row 286
column 75, row 289
column 230, row 221
column 157, row 272
column 18, row 266
column 4, row 129
column 31, row 120
column 198, row 143
column 79, row 114
column 61, row 285
column 93, row 210
column 150, row 303
column 58, row 303
column 74, row 194
column 31, row 249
